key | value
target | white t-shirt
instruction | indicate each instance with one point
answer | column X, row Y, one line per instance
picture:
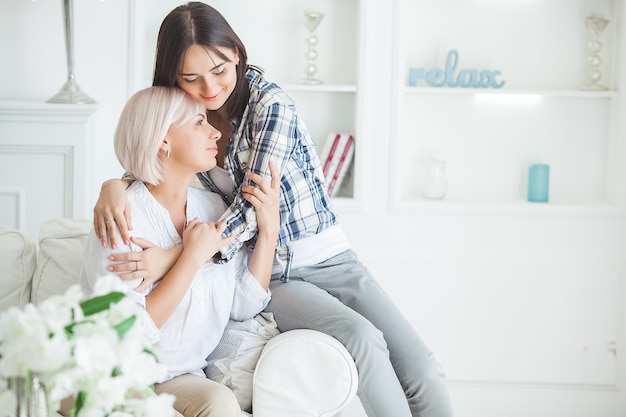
column 218, row 291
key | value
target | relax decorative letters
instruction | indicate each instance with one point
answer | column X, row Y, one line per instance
column 438, row 77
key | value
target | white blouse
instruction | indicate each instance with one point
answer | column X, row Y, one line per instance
column 218, row 291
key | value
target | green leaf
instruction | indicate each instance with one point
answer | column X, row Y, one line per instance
column 69, row 330
column 79, row 403
column 116, row 372
column 100, row 303
column 151, row 353
column 123, row 327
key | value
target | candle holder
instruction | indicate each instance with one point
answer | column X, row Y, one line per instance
column 70, row 92
column 311, row 20
column 595, row 27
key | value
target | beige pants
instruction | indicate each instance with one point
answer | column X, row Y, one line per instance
column 197, row 396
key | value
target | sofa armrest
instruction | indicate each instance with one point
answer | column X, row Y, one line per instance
column 303, row 373
column 18, row 255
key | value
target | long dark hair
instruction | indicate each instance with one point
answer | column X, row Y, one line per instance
column 197, row 23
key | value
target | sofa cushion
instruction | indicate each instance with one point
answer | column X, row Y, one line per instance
column 61, row 246
column 17, row 265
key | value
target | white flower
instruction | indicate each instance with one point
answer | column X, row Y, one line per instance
column 28, row 344
column 154, row 406
column 95, row 350
column 60, row 310
column 106, row 393
column 66, row 383
column 107, row 284
column 144, row 370
column 121, row 414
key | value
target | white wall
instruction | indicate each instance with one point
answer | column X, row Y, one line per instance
column 33, row 63
column 500, row 295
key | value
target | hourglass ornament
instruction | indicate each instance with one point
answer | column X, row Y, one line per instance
column 595, row 26
column 311, row 21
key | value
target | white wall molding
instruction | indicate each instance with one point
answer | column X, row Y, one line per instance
column 67, row 155
column 12, row 207
column 45, row 149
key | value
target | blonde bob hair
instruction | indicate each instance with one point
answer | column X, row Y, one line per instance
column 143, row 125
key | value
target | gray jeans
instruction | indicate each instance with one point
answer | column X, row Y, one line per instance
column 398, row 375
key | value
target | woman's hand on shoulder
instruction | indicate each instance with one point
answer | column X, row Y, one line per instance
column 111, row 209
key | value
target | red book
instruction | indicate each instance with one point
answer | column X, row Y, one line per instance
column 345, row 152
column 328, row 152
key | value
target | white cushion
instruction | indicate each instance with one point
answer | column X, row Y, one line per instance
column 303, row 358
column 18, row 255
column 234, row 360
column 61, row 247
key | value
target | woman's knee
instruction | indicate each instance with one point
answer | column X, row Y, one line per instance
column 219, row 401
column 365, row 340
column 200, row 397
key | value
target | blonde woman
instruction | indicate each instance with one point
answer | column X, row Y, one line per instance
column 163, row 139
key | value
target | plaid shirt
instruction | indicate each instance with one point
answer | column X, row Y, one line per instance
column 270, row 129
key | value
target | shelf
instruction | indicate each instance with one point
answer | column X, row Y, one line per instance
column 321, row 88
column 13, row 108
column 509, row 208
column 486, row 91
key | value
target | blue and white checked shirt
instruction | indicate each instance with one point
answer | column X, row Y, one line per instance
column 271, row 129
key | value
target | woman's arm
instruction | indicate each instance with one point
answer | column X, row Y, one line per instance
column 275, row 144
column 152, row 263
column 265, row 200
column 199, row 240
column 111, row 209
column 252, row 294
column 95, row 263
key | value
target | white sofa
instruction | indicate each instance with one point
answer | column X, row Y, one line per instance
column 299, row 373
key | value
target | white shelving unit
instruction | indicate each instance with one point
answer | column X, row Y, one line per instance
column 489, row 136
column 528, row 297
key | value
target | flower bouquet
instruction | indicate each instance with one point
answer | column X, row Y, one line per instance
column 93, row 350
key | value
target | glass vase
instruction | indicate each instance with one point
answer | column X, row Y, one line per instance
column 30, row 395
column 435, row 182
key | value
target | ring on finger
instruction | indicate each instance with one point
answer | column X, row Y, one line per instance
column 136, row 266
column 109, row 220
